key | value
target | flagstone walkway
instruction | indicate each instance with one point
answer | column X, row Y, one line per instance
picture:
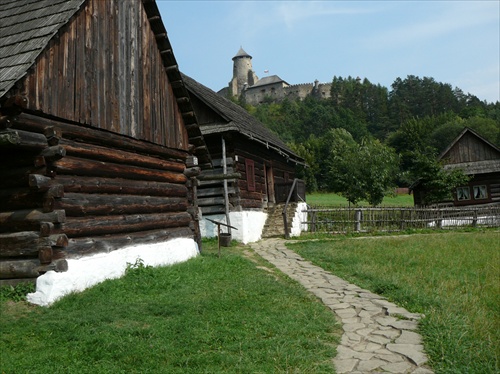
column 379, row 336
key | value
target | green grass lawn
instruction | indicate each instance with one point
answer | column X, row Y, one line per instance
column 208, row 315
column 331, row 199
column 452, row 278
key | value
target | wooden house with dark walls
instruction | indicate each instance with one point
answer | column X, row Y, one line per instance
column 98, row 141
column 479, row 159
column 253, row 170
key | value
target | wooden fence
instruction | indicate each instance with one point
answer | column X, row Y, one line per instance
column 344, row 220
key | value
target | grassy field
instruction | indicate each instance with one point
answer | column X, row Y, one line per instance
column 452, row 278
column 208, row 315
column 330, row 199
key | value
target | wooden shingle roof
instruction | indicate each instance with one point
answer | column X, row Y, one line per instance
column 26, row 27
column 237, row 119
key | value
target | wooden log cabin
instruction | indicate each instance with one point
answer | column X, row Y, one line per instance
column 97, row 134
column 259, row 167
column 480, row 160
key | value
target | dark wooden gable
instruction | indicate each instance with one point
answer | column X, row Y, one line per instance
column 469, row 147
column 79, row 75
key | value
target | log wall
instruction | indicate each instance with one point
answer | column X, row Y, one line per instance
column 75, row 190
column 239, row 149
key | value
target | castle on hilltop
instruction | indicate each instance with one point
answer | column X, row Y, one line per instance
column 246, row 85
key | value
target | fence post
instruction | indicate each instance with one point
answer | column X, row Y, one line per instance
column 474, row 219
column 313, row 221
column 402, row 223
column 439, row 222
column 357, row 220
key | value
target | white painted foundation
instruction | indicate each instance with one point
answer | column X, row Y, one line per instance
column 249, row 224
column 90, row 270
column 299, row 217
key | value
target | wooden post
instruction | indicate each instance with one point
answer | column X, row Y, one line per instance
column 357, row 220
column 226, row 197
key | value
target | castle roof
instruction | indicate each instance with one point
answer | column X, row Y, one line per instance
column 241, row 53
column 237, row 119
column 272, row 79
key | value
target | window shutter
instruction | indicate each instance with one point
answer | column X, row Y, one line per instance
column 250, row 171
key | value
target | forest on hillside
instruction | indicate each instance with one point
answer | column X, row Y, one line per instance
column 376, row 138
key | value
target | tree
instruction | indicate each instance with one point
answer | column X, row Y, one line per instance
column 365, row 171
column 437, row 182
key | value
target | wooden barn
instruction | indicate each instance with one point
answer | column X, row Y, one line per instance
column 97, row 135
column 479, row 159
column 253, row 169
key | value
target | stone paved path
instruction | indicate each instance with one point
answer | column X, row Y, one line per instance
column 379, row 336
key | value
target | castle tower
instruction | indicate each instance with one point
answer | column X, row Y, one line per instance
column 243, row 75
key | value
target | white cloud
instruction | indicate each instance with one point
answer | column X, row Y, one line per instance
column 449, row 17
column 292, row 12
column 254, row 17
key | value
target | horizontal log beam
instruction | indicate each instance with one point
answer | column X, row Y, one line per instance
column 95, row 136
column 207, row 210
column 22, row 139
column 192, row 171
column 79, row 205
column 79, row 227
column 25, row 198
column 10, row 269
column 80, row 247
column 28, row 220
column 84, row 167
column 207, row 201
column 214, row 191
column 120, row 186
column 53, row 153
column 17, row 177
column 55, row 240
column 213, row 177
column 19, row 244
column 5, row 122
column 99, row 153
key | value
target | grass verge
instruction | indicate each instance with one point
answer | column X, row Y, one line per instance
column 452, row 278
column 208, row 315
column 334, row 200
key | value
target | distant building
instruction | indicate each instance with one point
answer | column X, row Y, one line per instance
column 246, row 85
column 479, row 159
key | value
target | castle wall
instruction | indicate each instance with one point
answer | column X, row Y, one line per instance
column 278, row 92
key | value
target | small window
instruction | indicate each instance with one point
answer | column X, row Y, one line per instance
column 480, row 192
column 463, row 193
column 250, row 171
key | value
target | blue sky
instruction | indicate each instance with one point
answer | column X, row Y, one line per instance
column 455, row 42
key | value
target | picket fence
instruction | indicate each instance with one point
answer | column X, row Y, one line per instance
column 345, row 219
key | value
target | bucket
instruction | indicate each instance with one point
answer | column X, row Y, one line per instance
column 225, row 239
